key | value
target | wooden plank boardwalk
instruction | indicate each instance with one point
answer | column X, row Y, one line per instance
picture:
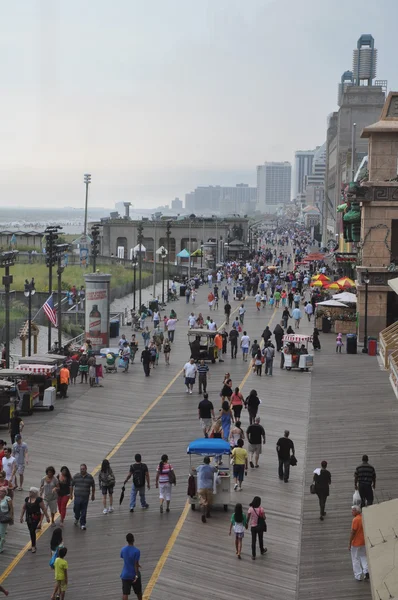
column 328, row 417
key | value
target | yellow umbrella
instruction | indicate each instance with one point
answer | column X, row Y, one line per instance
column 318, row 283
column 333, row 286
column 320, row 277
column 346, row 282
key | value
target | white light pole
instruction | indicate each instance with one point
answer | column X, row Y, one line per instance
column 87, row 181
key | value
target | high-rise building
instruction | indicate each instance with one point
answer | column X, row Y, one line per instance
column 240, row 199
column 176, row 204
column 273, row 186
column 315, row 181
column 303, row 160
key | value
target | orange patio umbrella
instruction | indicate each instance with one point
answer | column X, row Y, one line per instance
column 332, row 286
column 320, row 277
column 346, row 282
column 317, row 283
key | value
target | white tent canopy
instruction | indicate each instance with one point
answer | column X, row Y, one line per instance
column 137, row 248
column 345, row 297
column 331, row 303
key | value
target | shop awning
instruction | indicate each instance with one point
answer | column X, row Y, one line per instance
column 37, row 369
column 183, row 254
column 332, row 303
column 347, row 297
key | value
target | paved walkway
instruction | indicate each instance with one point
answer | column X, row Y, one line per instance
column 327, row 413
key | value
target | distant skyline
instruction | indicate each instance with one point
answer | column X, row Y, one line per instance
column 155, row 98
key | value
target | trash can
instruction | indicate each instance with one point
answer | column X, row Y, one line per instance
column 182, row 290
column 372, row 346
column 326, row 325
column 114, row 328
column 351, row 343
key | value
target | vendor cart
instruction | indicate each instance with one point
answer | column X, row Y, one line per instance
column 40, row 382
column 213, row 447
column 292, row 356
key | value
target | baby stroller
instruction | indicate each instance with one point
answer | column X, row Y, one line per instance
column 239, row 293
column 110, row 366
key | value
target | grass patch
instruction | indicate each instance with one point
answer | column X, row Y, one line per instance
column 72, row 275
column 17, row 311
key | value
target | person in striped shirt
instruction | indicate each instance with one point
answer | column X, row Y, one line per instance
column 165, row 477
column 203, row 371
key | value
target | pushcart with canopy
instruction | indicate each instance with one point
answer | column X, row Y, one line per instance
column 212, row 447
column 295, row 353
column 40, row 382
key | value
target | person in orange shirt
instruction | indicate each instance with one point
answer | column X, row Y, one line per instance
column 218, row 345
column 210, row 300
column 357, row 546
column 64, row 378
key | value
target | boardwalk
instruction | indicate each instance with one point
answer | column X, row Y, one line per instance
column 331, row 414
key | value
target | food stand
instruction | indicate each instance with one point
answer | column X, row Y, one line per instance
column 222, row 479
column 291, row 358
column 39, row 381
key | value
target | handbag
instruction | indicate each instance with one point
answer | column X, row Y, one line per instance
column 6, row 518
column 172, row 478
column 261, row 522
column 293, row 461
column 312, row 488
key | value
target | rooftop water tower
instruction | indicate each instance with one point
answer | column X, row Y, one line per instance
column 364, row 61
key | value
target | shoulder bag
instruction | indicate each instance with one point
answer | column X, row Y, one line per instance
column 172, row 477
column 261, row 522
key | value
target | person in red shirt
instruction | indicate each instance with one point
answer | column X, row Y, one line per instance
column 3, row 444
column 357, row 546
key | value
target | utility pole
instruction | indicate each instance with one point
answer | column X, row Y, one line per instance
column 51, row 234
column 95, row 245
column 29, row 292
column 168, row 233
column 7, row 259
column 140, row 238
column 87, row 181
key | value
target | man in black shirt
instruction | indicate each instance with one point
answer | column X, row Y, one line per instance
column 256, row 436
column 365, row 481
column 140, row 474
column 206, row 414
column 146, row 361
column 283, row 447
column 233, row 338
column 227, row 311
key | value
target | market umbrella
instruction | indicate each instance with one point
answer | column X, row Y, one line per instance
column 346, row 297
column 346, row 282
column 320, row 277
column 122, row 495
column 317, row 283
column 332, row 286
column 332, row 303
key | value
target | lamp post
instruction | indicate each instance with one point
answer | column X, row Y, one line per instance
column 201, row 258
column 95, row 245
column 51, row 234
column 29, row 292
column 365, row 280
column 60, row 250
column 7, row 259
column 168, row 233
column 140, row 236
column 163, row 255
column 134, row 262
column 87, row 181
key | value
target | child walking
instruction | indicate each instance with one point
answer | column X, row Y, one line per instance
column 339, row 342
column 239, row 524
column 61, row 575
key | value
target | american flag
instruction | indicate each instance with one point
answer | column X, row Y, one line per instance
column 50, row 311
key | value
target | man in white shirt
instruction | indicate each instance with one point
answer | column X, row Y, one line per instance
column 171, row 327
column 210, row 279
column 190, row 370
column 192, row 321
column 122, row 341
column 245, row 344
column 212, row 326
column 9, row 465
column 242, row 311
column 308, row 310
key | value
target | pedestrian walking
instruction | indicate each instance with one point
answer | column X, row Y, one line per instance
column 82, row 485
column 15, row 425
column 224, row 336
column 269, row 354
column 6, row 515
column 74, row 370
column 236, row 434
column 365, row 481
column 83, row 367
column 339, row 342
column 239, row 456
column 256, row 437
column 20, row 453
column 357, row 546
column 285, row 317
column 171, row 328
column 315, row 339
column 210, row 300
column 237, row 403
column 308, row 310
column 165, row 478
column 238, row 524
column 166, row 351
column 205, row 485
column 33, row 507
column 256, row 519
column 9, row 465
column 56, row 541
column 226, row 391
column 284, row 446
column 233, row 338
column 322, row 481
column 130, row 575
column 61, row 575
column 146, row 361
column 252, row 403
column 241, row 312
column 106, row 483
column 245, row 344
column 206, row 414
column 49, row 487
column 278, row 333
column 226, row 419
column 64, row 492
column 296, row 314
column 258, row 362
column 190, row 370
column 227, row 311
column 64, row 380
column 140, row 474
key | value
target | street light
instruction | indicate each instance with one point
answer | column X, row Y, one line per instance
column 7, row 259
column 29, row 292
column 87, row 181
column 134, row 262
column 365, row 280
column 60, row 250
column 163, row 254
column 140, row 237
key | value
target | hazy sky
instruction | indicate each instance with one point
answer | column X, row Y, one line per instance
column 154, row 97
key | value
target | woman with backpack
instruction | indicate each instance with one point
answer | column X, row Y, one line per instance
column 256, row 521
column 106, row 480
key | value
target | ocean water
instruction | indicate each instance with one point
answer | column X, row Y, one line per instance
column 27, row 219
